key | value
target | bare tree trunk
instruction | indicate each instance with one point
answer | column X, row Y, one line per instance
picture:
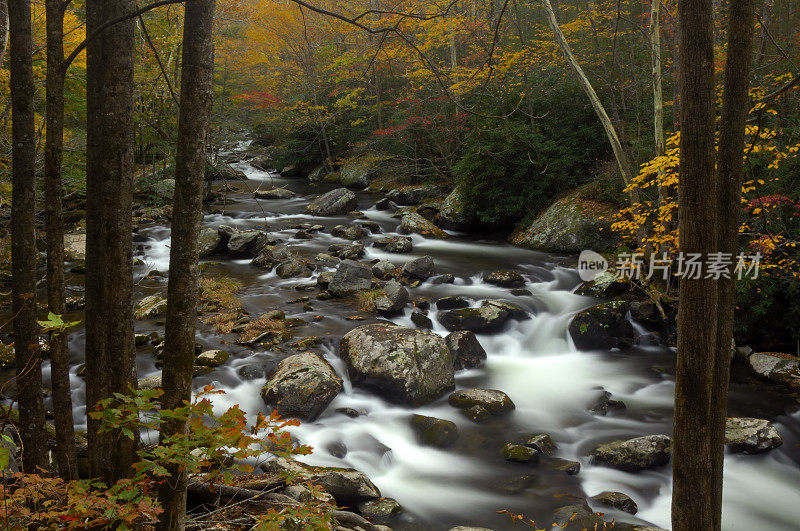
column 694, row 481
column 735, row 108
column 621, row 157
column 658, row 94
column 183, row 292
column 3, row 29
column 109, row 311
column 54, row 147
column 23, row 240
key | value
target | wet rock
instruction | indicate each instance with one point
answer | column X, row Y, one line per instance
column 542, row 442
column 274, row 315
column 451, row 303
column 420, row 268
column 75, row 246
column 246, row 243
column 349, row 232
column 616, row 500
column 274, row 193
column 575, row 517
column 347, row 485
column 349, row 278
column 416, row 224
column 476, row 414
column 318, row 173
column 256, row 371
column 518, row 453
column 434, row 432
column 454, row 213
column 412, row 195
column 210, row 242
column 568, row 226
column 327, row 260
column 491, row 316
column 447, row 278
column 350, row 412
column 302, row 235
column 150, row 382
column 505, row 279
column 392, row 299
column 647, row 314
column 380, row 508
column 602, row 327
column 401, row 364
column 302, row 387
column 494, row 401
column 347, row 251
column 775, row 366
column 212, row 358
column 383, row 204
column 223, row 172
column 324, row 279
column 383, row 269
column 607, row 285
column 269, row 256
column 399, row 245
column 334, row 203
column 150, row 307
column 466, row 350
column 292, row 268
column 304, row 494
column 605, row 403
column 635, row 454
column 570, row 468
column 421, row 320
column 751, row 436
column 356, row 173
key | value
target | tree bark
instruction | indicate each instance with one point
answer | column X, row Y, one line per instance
column 3, row 29
column 110, row 361
column 694, row 481
column 658, row 93
column 194, row 121
column 735, row 108
column 23, row 240
column 54, row 147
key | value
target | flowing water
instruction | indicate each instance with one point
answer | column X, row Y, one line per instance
column 533, row 361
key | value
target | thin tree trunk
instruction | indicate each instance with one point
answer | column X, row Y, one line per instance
column 694, row 483
column 658, row 94
column 23, row 240
column 623, row 164
column 54, row 147
column 109, row 312
column 183, row 292
column 735, row 108
column 3, row 29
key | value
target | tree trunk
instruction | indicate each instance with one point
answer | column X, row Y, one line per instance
column 621, row 157
column 658, row 95
column 54, row 147
column 109, row 283
column 694, row 482
column 23, row 240
column 183, row 292
column 3, row 29
column 735, row 108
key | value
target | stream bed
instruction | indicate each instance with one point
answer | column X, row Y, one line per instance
column 534, row 361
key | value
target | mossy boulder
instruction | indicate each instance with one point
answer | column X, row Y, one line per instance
column 616, row 500
column 602, row 327
column 435, row 432
column 751, row 436
column 454, row 213
column 606, row 285
column 359, row 171
column 212, row 358
column 494, row 401
column 519, row 453
column 416, row 224
column 302, row 386
column 150, row 307
column 401, row 364
column 570, row 225
column 505, row 279
column 635, row 454
column 490, row 317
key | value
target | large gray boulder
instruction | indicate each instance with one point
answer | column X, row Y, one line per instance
column 412, row 195
column 210, row 241
column 775, row 366
column 392, row 299
column 420, row 268
column 414, row 223
column 635, row 454
column 334, row 203
column 570, row 225
column 302, row 386
column 454, row 214
column 246, row 244
column 751, row 436
column 347, row 485
column 350, row 277
column 401, row 364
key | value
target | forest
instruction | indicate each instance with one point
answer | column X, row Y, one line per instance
column 375, row 265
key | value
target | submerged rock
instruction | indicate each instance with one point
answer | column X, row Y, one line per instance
column 302, row 386
column 751, row 436
column 334, row 203
column 494, row 401
column 401, row 364
column 434, row 432
column 466, row 350
column 542, row 442
column 635, row 454
column 602, row 327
